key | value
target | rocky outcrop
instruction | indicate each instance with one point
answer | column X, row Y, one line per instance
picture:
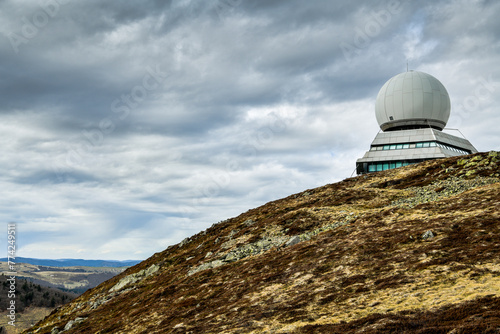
column 265, row 244
column 134, row 278
column 68, row 326
column 442, row 189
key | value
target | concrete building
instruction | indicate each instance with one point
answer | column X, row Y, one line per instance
column 412, row 109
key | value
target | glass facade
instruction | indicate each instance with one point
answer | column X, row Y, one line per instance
column 418, row 145
column 381, row 166
column 458, row 150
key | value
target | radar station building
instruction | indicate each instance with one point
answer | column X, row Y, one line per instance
column 412, row 109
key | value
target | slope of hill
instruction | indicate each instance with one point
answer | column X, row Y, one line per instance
column 414, row 250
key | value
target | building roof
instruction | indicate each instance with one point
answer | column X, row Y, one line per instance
column 447, row 145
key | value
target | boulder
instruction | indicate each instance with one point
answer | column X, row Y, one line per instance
column 428, row 235
column 293, row 241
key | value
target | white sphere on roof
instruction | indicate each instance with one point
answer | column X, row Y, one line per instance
column 412, row 100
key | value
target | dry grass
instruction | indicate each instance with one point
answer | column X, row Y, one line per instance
column 25, row 319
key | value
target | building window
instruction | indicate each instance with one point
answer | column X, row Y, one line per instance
column 381, row 166
column 417, row 145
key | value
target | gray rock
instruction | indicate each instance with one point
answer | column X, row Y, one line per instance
column 184, row 242
column 151, row 270
column 428, row 235
column 132, row 278
column 69, row 325
column 292, row 241
column 242, row 252
column 231, row 257
column 208, row 265
column 249, row 222
column 72, row 323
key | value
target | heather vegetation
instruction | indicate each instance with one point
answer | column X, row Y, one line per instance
column 414, row 250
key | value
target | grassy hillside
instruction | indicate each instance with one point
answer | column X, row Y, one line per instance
column 413, row 250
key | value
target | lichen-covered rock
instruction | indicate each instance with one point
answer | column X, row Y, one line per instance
column 428, row 235
column 249, row 222
column 133, row 278
column 293, row 241
column 443, row 188
column 72, row 323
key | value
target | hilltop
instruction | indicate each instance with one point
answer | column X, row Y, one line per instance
column 414, row 249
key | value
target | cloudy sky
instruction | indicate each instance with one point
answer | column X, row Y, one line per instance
column 126, row 126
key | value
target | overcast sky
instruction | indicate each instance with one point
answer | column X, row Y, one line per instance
column 126, row 126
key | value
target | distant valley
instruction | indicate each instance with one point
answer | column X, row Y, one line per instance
column 74, row 262
column 72, row 275
column 42, row 285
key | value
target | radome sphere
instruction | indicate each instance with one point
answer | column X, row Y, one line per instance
column 412, row 100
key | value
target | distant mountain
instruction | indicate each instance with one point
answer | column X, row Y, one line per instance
column 74, row 262
column 411, row 250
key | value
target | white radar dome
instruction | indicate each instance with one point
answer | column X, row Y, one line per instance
column 412, row 100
